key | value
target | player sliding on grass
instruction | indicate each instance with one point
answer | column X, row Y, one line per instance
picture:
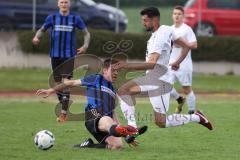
column 100, row 117
column 157, row 82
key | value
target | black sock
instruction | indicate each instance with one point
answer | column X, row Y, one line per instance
column 65, row 104
column 59, row 95
column 63, row 98
column 180, row 99
column 113, row 132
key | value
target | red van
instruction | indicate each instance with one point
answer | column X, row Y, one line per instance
column 213, row 17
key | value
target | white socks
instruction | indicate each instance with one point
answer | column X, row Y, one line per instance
column 174, row 94
column 128, row 110
column 191, row 101
column 180, row 119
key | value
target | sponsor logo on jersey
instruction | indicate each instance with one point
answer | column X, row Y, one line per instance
column 63, row 28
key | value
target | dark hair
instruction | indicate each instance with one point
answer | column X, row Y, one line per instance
column 108, row 62
column 150, row 12
column 179, row 8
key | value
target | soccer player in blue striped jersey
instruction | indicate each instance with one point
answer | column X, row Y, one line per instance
column 63, row 26
column 100, row 118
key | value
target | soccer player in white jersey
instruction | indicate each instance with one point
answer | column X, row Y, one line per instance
column 184, row 73
column 157, row 59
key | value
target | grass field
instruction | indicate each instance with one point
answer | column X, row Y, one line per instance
column 22, row 117
column 32, row 79
column 134, row 18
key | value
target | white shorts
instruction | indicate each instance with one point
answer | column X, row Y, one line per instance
column 183, row 76
column 158, row 89
column 160, row 103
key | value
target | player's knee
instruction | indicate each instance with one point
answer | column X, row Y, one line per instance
column 161, row 124
column 105, row 123
column 106, row 119
column 187, row 90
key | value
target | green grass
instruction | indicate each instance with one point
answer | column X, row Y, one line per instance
column 214, row 83
column 22, row 117
column 23, row 79
column 32, row 79
column 134, row 18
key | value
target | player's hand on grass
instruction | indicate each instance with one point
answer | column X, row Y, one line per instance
column 131, row 141
column 44, row 92
column 82, row 50
column 35, row 41
column 133, row 144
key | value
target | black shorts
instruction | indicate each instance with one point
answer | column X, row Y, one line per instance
column 62, row 68
column 91, row 123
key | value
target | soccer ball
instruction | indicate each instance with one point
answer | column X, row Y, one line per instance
column 44, row 140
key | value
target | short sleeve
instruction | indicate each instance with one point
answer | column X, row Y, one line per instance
column 157, row 45
column 162, row 40
column 191, row 36
column 79, row 23
column 89, row 80
column 48, row 22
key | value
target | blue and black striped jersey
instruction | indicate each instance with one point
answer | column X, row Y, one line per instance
column 100, row 94
column 63, row 36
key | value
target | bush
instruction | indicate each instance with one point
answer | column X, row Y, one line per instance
column 98, row 39
column 217, row 49
column 209, row 49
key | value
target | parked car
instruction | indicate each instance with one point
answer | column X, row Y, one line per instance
column 218, row 17
column 16, row 14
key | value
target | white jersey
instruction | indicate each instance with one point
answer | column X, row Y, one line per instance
column 161, row 42
column 159, row 85
column 187, row 33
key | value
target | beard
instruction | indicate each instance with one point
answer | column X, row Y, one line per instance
column 149, row 29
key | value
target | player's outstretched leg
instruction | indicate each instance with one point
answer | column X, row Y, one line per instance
column 164, row 121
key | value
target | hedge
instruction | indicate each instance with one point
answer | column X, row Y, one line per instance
column 98, row 39
column 209, row 49
column 217, row 49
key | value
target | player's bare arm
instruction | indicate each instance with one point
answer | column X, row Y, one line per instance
column 182, row 42
column 38, row 35
column 84, row 48
column 66, row 84
column 185, row 49
column 193, row 45
column 152, row 60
